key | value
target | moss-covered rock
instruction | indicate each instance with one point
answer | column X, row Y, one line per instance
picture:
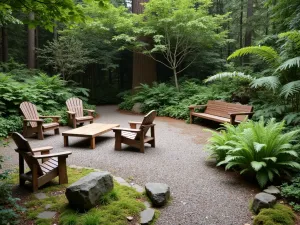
column 279, row 215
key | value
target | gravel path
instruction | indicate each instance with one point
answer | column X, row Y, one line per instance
column 202, row 193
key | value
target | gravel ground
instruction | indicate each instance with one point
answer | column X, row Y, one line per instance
column 201, row 193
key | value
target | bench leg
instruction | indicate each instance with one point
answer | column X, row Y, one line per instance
column 93, row 143
column 66, row 141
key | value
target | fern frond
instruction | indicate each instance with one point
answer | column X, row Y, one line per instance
column 294, row 62
column 270, row 82
column 265, row 53
column 290, row 89
column 235, row 74
column 293, row 35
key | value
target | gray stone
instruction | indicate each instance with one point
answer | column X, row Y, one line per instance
column 46, row 215
column 272, row 190
column 147, row 204
column 147, row 216
column 48, row 206
column 138, row 188
column 121, row 181
column 158, row 193
column 263, row 200
column 137, row 107
column 40, row 196
column 85, row 193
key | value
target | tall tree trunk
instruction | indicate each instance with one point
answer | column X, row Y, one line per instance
column 241, row 28
column 4, row 44
column 144, row 67
column 249, row 29
column 31, row 44
column 36, row 46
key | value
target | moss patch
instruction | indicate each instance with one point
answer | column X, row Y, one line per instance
column 279, row 215
column 113, row 209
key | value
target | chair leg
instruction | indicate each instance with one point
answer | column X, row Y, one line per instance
column 191, row 118
column 21, row 170
column 40, row 134
column 56, row 131
column 118, row 139
column 142, row 147
column 92, row 121
column 35, row 184
column 62, row 170
column 74, row 123
column 153, row 136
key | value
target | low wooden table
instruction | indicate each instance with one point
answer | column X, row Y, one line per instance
column 90, row 131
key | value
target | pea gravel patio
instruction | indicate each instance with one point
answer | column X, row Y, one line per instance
column 201, row 193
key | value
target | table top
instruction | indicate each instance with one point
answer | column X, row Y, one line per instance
column 90, row 130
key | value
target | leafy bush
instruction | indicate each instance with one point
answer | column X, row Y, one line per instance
column 279, row 215
column 292, row 192
column 9, row 125
column 256, row 148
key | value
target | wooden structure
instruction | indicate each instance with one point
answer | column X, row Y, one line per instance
column 90, row 131
column 52, row 165
column 136, row 137
column 222, row 112
column 75, row 112
column 33, row 123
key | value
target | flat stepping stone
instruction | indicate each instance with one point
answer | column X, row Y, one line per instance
column 40, row 196
column 147, row 204
column 147, row 216
column 48, row 206
column 122, row 182
column 263, row 200
column 272, row 190
column 138, row 188
column 46, row 215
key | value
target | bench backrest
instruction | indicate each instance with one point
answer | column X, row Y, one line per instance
column 222, row 109
column 75, row 105
column 30, row 112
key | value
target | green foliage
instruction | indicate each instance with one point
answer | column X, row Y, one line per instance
column 256, row 148
column 291, row 192
column 10, row 124
column 279, row 215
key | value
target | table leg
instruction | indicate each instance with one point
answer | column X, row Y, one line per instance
column 66, row 141
column 93, row 144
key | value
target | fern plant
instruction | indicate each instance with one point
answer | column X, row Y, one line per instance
column 256, row 148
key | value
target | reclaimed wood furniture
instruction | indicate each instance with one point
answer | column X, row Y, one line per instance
column 136, row 137
column 40, row 173
column 75, row 112
column 90, row 131
column 33, row 123
column 223, row 112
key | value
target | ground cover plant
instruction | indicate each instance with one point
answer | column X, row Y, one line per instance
column 291, row 192
column 256, row 148
column 113, row 209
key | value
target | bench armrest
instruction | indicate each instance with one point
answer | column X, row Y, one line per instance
column 42, row 149
column 233, row 115
column 33, row 120
column 59, row 154
column 126, row 129
column 193, row 107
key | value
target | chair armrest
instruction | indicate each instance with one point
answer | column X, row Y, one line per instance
column 70, row 112
column 56, row 117
column 134, row 122
column 89, row 110
column 33, row 120
column 241, row 113
column 60, row 154
column 149, row 125
column 41, row 149
column 126, row 129
column 193, row 107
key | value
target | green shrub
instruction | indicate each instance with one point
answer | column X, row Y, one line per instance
column 256, row 148
column 292, row 192
column 279, row 215
column 9, row 125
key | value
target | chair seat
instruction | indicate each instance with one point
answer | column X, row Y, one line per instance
column 49, row 165
column 83, row 118
column 49, row 125
column 129, row 135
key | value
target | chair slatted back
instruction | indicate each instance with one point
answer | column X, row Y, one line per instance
column 148, row 120
column 222, row 109
column 30, row 112
column 25, row 150
column 75, row 105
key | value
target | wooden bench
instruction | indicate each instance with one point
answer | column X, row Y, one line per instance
column 222, row 112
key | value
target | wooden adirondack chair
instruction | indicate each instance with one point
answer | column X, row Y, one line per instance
column 33, row 123
column 52, row 165
column 136, row 137
column 75, row 112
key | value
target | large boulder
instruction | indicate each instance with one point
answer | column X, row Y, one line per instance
column 158, row 193
column 263, row 200
column 85, row 193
